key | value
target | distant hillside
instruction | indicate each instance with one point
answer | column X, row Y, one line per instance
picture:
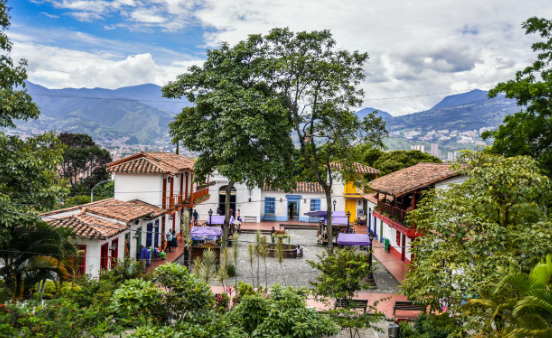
column 461, row 99
column 464, row 112
column 365, row 111
column 105, row 114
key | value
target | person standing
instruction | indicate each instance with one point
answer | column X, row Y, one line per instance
column 148, row 256
column 174, row 240
column 169, row 242
column 196, row 216
column 143, row 256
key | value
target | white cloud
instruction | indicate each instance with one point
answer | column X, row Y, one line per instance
column 416, row 48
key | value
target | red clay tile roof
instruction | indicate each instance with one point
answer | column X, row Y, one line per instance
column 370, row 197
column 359, row 168
column 303, row 187
column 151, row 163
column 115, row 209
column 410, row 179
column 87, row 226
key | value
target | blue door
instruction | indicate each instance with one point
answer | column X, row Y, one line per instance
column 149, row 234
column 156, row 238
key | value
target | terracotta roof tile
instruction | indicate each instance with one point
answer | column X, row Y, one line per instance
column 87, row 226
column 410, row 179
column 359, row 168
column 151, row 163
column 115, row 209
column 303, row 187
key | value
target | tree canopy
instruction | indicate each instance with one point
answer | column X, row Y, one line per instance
column 82, row 155
column 528, row 132
column 388, row 162
column 238, row 123
column 497, row 216
column 319, row 86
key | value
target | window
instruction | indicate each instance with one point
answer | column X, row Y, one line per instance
column 315, row 205
column 270, row 205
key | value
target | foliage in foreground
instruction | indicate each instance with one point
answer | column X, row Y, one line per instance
column 170, row 303
column 521, row 303
column 496, row 217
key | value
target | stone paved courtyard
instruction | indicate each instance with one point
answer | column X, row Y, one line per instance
column 297, row 272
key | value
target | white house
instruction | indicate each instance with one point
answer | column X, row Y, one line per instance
column 396, row 194
column 267, row 204
column 164, row 180
column 110, row 230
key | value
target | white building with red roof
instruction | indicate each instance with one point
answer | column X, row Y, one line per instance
column 110, row 230
column 399, row 192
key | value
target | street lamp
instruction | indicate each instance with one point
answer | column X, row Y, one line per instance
column 348, row 216
column 92, row 191
column 370, row 279
column 334, row 203
column 210, row 215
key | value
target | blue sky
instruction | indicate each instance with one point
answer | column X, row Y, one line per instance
column 417, row 48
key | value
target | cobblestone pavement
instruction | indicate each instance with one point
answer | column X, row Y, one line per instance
column 297, row 272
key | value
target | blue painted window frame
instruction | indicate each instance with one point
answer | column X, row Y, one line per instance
column 149, row 234
column 314, row 204
column 270, row 205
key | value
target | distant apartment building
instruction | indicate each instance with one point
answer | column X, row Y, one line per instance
column 418, row 147
column 452, row 156
column 435, row 150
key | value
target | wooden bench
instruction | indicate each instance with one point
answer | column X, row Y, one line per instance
column 351, row 304
column 407, row 306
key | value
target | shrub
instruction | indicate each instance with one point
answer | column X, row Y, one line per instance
column 231, row 270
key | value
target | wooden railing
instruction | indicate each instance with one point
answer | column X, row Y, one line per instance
column 394, row 212
column 200, row 193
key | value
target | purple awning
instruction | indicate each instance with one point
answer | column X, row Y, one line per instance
column 206, row 233
column 353, row 239
column 216, row 219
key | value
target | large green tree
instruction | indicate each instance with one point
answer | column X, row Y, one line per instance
column 497, row 216
column 83, row 155
column 529, row 132
column 29, row 182
column 319, row 84
column 237, row 122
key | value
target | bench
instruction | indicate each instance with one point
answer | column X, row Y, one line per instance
column 352, row 304
column 407, row 306
column 269, row 217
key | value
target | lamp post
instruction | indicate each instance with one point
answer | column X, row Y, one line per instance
column 92, row 191
column 370, row 280
column 348, row 216
column 210, row 215
column 334, row 203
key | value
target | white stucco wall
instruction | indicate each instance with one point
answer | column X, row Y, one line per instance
column 446, row 183
column 248, row 210
column 147, row 188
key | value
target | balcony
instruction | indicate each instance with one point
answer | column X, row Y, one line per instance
column 395, row 213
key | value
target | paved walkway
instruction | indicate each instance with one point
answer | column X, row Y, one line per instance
column 395, row 266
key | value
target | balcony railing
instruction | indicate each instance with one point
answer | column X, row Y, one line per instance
column 200, row 193
column 394, row 213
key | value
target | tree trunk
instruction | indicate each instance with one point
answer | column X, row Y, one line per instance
column 329, row 218
column 227, row 214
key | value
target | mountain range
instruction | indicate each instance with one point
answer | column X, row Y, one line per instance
column 140, row 115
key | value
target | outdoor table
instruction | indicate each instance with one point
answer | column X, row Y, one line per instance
column 353, row 239
column 206, row 233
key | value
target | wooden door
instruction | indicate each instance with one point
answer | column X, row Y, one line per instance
column 350, row 206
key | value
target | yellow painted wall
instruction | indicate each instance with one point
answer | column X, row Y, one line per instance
column 350, row 188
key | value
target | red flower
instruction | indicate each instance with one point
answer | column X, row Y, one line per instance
column 3, row 305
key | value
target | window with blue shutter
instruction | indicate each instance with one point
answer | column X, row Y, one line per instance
column 315, row 205
column 270, row 205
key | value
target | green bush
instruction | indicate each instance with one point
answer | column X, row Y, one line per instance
column 231, row 270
